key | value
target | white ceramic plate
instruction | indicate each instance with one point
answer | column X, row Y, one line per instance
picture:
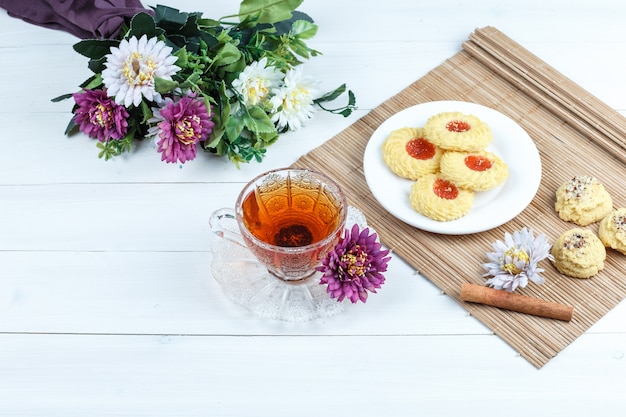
column 491, row 208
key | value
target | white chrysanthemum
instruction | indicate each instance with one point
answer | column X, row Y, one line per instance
column 515, row 261
column 132, row 68
column 256, row 81
column 292, row 104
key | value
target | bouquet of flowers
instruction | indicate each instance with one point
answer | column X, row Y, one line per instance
column 188, row 82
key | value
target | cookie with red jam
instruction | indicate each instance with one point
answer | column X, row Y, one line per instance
column 409, row 154
column 439, row 199
column 457, row 131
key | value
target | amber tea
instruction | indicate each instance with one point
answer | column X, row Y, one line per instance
column 306, row 219
column 290, row 219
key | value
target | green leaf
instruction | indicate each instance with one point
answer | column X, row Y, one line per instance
column 61, row 98
column 257, row 121
column 126, row 143
column 234, row 126
column 184, row 29
column 166, row 16
column 227, row 54
column 146, row 111
column 190, row 26
column 183, row 57
column 268, row 11
column 112, row 148
column 71, row 127
column 209, row 38
column 300, row 48
column 303, row 29
column 221, row 113
column 237, row 66
column 346, row 110
column 104, row 151
column 164, row 86
column 269, row 137
column 178, row 41
column 207, row 22
column 284, row 27
column 143, row 24
column 97, row 65
column 332, row 95
column 95, row 48
column 89, row 82
column 190, row 82
column 92, row 83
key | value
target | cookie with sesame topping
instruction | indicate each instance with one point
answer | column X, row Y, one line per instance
column 578, row 253
column 583, row 200
column 612, row 231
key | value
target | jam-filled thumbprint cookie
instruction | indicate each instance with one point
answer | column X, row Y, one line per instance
column 409, row 154
column 439, row 199
column 457, row 131
column 475, row 171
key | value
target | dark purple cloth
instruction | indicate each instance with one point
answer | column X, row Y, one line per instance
column 87, row 19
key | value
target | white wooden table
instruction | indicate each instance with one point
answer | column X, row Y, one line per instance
column 107, row 305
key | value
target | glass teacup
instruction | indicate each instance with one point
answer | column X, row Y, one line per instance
column 288, row 218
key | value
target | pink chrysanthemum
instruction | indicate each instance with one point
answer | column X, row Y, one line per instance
column 180, row 126
column 355, row 266
column 98, row 116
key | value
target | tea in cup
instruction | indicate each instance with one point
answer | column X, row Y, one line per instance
column 288, row 218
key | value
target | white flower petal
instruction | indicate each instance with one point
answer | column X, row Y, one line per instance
column 150, row 44
column 136, row 96
column 256, row 82
column 113, row 90
column 132, row 43
column 129, row 82
column 514, row 263
column 141, row 44
column 147, row 92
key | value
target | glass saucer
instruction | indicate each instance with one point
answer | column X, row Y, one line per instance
column 246, row 282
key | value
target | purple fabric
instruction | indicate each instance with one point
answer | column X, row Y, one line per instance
column 85, row 19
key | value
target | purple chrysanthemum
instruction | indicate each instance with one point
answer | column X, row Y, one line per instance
column 354, row 266
column 180, row 126
column 98, row 116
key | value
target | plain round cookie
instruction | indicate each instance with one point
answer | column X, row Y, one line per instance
column 578, row 253
column 456, row 131
column 612, row 231
column 439, row 199
column 582, row 200
column 409, row 154
column 475, row 171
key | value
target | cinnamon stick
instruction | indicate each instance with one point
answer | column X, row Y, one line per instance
column 515, row 302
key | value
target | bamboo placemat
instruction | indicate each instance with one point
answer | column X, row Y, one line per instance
column 575, row 133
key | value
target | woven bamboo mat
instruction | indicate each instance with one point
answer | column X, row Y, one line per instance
column 574, row 132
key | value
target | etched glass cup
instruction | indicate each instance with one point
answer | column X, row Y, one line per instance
column 288, row 218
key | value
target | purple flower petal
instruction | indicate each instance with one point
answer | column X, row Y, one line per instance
column 181, row 126
column 354, row 266
column 99, row 117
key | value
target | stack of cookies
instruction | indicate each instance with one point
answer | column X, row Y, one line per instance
column 448, row 160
